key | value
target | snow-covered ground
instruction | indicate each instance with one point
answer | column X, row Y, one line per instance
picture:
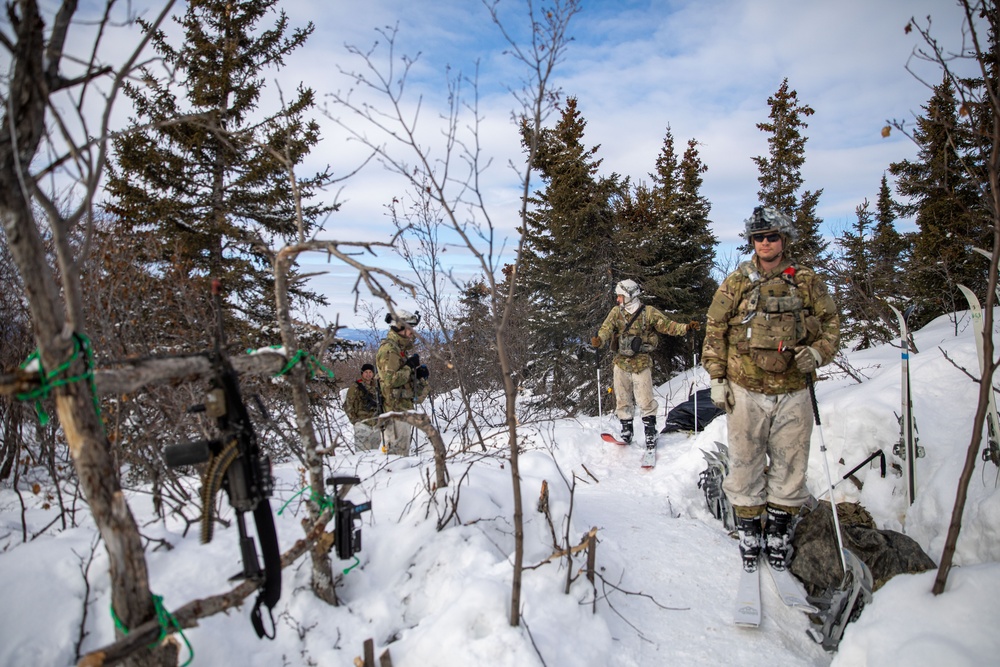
column 666, row 568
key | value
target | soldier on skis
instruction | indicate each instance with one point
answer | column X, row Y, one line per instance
column 362, row 406
column 631, row 329
column 770, row 325
column 402, row 377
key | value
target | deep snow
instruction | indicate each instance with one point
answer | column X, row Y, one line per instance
column 667, row 569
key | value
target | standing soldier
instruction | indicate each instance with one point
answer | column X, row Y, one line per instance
column 402, row 377
column 631, row 329
column 362, row 407
column 770, row 325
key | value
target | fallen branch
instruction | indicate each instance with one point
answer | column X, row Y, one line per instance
column 132, row 376
column 187, row 616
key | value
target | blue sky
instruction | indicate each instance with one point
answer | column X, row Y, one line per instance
column 705, row 68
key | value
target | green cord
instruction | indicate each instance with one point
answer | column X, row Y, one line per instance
column 165, row 619
column 356, row 563
column 51, row 380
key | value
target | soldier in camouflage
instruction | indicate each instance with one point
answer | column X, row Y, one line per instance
column 402, row 377
column 631, row 329
column 362, row 406
column 770, row 325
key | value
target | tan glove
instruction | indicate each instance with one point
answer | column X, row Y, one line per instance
column 808, row 359
column 694, row 325
column 722, row 395
column 596, row 341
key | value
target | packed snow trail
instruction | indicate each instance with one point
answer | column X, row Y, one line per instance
column 681, row 557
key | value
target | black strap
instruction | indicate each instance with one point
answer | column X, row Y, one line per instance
column 270, row 590
column 633, row 319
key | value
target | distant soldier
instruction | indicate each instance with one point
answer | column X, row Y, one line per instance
column 631, row 329
column 402, row 378
column 362, row 407
column 770, row 325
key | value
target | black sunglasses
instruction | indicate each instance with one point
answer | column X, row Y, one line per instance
column 773, row 237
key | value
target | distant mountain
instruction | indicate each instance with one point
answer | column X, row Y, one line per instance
column 362, row 335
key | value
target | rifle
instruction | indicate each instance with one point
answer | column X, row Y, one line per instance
column 236, row 464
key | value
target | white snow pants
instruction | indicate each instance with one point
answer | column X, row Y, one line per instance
column 638, row 384
column 768, row 432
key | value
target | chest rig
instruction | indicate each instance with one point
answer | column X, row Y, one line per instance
column 771, row 319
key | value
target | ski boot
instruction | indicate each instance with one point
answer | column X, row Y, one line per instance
column 750, row 533
column 778, row 538
column 627, row 431
column 649, row 424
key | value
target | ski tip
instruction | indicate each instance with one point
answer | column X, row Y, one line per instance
column 607, row 437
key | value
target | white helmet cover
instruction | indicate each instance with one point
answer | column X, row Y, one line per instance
column 403, row 318
column 628, row 289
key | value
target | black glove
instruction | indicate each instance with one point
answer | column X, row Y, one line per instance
column 422, row 373
column 413, row 360
column 636, row 344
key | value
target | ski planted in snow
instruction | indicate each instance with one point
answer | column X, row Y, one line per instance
column 992, row 451
column 792, row 593
column 649, row 458
column 907, row 448
column 747, row 612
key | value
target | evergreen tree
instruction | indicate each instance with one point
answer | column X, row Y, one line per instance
column 209, row 173
column 944, row 199
column 856, row 288
column 781, row 172
column 672, row 247
column 888, row 247
column 569, row 257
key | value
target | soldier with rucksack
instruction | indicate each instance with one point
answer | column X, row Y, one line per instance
column 631, row 328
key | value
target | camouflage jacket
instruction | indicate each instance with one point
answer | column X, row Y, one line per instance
column 757, row 319
column 400, row 388
column 361, row 402
column 645, row 327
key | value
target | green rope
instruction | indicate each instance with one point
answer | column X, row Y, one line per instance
column 324, row 502
column 165, row 619
column 49, row 381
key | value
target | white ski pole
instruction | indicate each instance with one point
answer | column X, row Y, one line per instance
column 694, row 387
column 826, row 466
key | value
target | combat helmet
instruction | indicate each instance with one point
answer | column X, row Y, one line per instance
column 769, row 219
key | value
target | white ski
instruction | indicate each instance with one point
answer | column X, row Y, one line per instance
column 791, row 591
column 907, row 448
column 992, row 421
column 747, row 612
column 649, row 458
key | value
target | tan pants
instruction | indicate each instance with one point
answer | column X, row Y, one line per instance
column 397, row 437
column 639, row 385
column 773, row 432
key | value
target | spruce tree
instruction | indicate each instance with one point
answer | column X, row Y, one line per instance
column 944, row 200
column 855, row 291
column 569, row 257
column 672, row 247
column 205, row 170
column 781, row 172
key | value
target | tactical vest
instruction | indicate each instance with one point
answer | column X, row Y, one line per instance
column 632, row 344
column 771, row 319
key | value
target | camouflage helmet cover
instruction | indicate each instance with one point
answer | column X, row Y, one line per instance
column 768, row 219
